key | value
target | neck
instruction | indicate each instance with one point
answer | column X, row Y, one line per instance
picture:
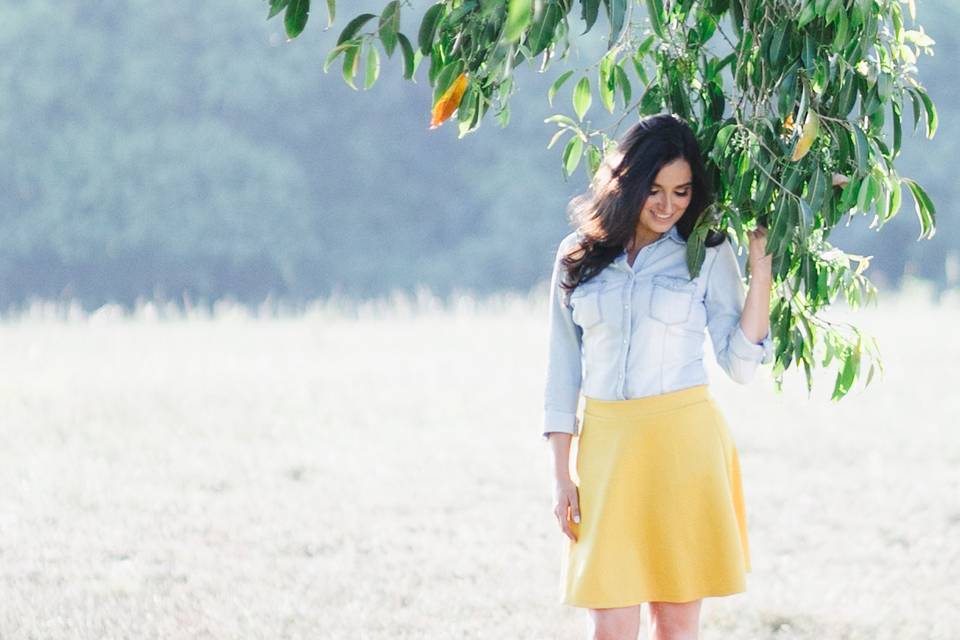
column 641, row 238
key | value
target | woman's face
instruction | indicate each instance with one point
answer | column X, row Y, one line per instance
column 669, row 197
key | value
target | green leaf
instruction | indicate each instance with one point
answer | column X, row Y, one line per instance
column 696, row 252
column 388, row 26
column 467, row 106
column 556, row 136
column 807, row 14
column 351, row 64
column 616, row 13
column 428, row 28
column 372, row 70
column 787, row 96
column 652, row 100
column 805, row 218
column 895, row 199
column 809, row 54
column 644, row 47
column 606, row 81
column 624, row 82
column 552, row 92
column 833, row 8
column 844, row 378
column 354, row 26
column 917, row 107
column 562, row 120
column 541, row 32
column 571, row 154
column 861, row 149
column 408, row 55
column 779, row 44
column 780, row 226
column 744, row 179
column 897, row 127
column 696, row 245
column 295, row 19
column 594, row 158
column 840, row 37
column 764, row 187
column 336, row 51
column 641, row 72
column 884, row 86
column 723, row 137
column 276, row 6
column 589, row 10
column 931, row 112
column 518, row 18
column 706, row 27
column 655, row 13
column 331, row 11
column 817, row 188
column 926, row 212
column 865, row 194
column 581, row 97
column 848, row 197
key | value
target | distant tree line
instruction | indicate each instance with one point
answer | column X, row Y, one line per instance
column 157, row 149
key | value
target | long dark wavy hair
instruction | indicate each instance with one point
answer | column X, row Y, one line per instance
column 606, row 215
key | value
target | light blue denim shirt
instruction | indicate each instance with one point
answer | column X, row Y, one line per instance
column 637, row 331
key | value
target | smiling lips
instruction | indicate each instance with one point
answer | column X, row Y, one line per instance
column 661, row 217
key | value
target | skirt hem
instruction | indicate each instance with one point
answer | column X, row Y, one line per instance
column 629, row 602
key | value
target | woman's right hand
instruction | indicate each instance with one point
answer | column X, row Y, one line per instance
column 567, row 506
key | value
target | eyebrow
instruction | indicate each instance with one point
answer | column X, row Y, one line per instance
column 685, row 184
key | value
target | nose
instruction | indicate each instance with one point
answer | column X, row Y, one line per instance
column 664, row 204
column 669, row 208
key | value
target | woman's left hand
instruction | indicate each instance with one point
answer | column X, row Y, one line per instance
column 759, row 261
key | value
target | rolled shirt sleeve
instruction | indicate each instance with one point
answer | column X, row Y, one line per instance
column 725, row 297
column 564, row 368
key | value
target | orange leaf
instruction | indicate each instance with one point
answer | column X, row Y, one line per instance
column 811, row 128
column 449, row 101
column 788, row 123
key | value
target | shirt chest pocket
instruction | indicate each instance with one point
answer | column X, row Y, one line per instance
column 671, row 298
column 585, row 301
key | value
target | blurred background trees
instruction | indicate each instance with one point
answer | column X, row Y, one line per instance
column 167, row 150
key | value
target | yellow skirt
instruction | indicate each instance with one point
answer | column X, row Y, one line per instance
column 662, row 514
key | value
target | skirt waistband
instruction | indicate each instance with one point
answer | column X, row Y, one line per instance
column 647, row 404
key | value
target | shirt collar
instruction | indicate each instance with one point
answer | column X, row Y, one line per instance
column 672, row 233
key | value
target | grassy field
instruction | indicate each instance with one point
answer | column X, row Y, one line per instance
column 377, row 472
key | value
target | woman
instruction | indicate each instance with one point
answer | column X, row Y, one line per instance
column 658, row 515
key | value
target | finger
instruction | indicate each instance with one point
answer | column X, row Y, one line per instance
column 575, row 509
column 569, row 531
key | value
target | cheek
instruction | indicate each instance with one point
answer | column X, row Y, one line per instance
column 652, row 202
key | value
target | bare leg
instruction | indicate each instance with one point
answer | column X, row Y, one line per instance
column 618, row 623
column 675, row 620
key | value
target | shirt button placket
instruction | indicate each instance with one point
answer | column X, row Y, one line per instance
column 628, row 328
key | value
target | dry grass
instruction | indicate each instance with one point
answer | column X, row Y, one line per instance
column 377, row 472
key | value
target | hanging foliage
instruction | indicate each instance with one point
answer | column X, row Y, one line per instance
column 798, row 105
